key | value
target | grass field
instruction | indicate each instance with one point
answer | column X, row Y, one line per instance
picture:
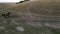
column 19, row 23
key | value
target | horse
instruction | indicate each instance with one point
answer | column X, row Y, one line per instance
column 6, row 15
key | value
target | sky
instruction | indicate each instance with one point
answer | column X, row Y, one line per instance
column 10, row 0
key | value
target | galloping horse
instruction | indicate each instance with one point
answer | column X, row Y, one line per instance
column 6, row 15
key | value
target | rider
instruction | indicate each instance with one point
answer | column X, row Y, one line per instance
column 6, row 15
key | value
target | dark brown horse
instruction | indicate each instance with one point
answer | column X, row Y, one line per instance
column 6, row 15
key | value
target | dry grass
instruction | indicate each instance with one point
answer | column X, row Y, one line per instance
column 32, row 8
column 38, row 7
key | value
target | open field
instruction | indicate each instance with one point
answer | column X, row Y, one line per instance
column 32, row 17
